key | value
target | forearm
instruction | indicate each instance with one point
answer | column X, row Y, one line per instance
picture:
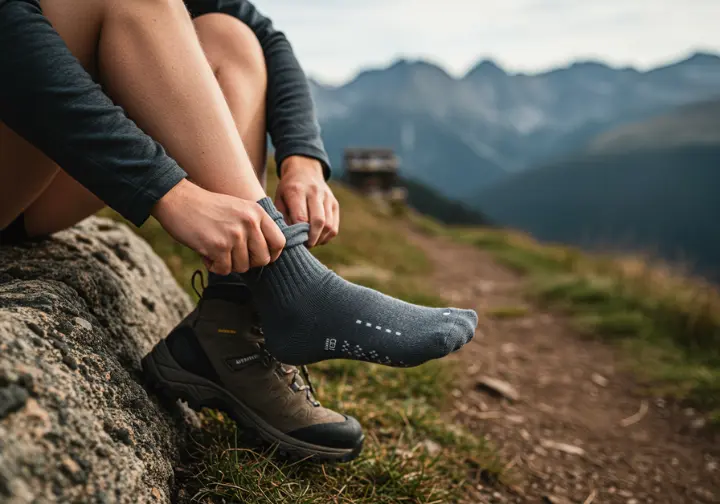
column 291, row 118
column 48, row 98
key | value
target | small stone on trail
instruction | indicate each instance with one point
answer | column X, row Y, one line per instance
column 698, row 423
column 540, row 451
column 498, row 387
column 555, row 499
column 599, row 380
column 563, row 447
column 508, row 348
column 473, row 369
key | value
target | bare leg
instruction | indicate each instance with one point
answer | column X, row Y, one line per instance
column 238, row 62
column 159, row 74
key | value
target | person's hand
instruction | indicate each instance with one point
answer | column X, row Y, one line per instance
column 231, row 234
column 304, row 196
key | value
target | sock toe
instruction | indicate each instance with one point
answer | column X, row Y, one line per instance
column 463, row 329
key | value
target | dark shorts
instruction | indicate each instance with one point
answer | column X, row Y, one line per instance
column 14, row 233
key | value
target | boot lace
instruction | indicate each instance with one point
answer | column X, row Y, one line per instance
column 296, row 383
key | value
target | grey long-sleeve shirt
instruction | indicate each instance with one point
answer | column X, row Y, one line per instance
column 48, row 98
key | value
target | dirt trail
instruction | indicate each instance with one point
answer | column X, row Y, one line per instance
column 571, row 391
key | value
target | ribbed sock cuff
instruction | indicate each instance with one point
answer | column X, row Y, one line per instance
column 273, row 212
column 296, row 267
column 290, row 275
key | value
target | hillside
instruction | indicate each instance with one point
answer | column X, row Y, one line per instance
column 649, row 187
column 428, row 202
column 432, row 430
column 461, row 135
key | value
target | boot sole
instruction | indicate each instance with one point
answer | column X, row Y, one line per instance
column 170, row 380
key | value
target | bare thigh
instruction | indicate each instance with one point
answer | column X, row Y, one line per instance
column 26, row 174
column 32, row 183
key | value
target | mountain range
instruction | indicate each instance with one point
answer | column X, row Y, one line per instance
column 650, row 186
column 462, row 135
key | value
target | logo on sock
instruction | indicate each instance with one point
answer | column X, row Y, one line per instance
column 330, row 344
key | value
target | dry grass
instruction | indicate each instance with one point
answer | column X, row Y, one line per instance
column 668, row 322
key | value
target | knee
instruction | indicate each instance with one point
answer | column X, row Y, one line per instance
column 230, row 44
column 141, row 11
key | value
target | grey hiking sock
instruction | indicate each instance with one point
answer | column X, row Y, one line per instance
column 310, row 314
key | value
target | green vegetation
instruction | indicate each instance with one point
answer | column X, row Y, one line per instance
column 668, row 323
column 412, row 454
column 507, row 312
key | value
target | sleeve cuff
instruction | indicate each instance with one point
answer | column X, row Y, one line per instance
column 142, row 202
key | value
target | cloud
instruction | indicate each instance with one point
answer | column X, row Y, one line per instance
column 335, row 38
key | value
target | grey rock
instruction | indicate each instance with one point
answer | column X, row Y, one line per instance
column 12, row 398
column 75, row 424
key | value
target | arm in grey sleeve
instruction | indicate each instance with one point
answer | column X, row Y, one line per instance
column 47, row 97
column 291, row 117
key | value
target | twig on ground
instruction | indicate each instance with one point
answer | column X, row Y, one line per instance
column 631, row 420
column 591, row 497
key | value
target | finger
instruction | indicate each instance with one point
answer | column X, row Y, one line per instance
column 280, row 205
column 296, row 204
column 240, row 257
column 327, row 232
column 221, row 263
column 317, row 219
column 257, row 248
column 336, row 217
column 274, row 238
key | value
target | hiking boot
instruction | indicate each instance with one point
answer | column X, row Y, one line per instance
column 216, row 358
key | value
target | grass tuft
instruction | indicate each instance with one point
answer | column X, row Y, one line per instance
column 507, row 312
column 410, row 454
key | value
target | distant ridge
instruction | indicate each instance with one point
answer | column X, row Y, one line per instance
column 650, row 186
column 459, row 136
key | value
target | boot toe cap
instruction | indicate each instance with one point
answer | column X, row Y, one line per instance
column 342, row 435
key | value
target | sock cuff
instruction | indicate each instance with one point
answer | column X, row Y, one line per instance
column 296, row 235
column 267, row 204
column 290, row 275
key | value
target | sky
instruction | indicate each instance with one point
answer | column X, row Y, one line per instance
column 334, row 39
